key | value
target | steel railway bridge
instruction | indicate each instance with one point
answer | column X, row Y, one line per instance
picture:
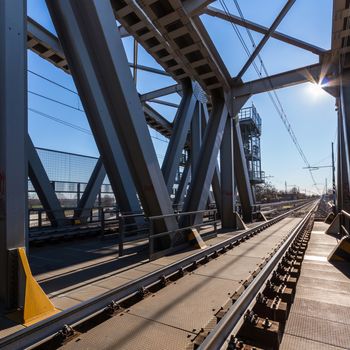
column 242, row 253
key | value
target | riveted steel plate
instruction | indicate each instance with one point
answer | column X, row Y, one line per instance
column 325, row 311
column 188, row 304
column 129, row 332
column 328, row 332
column 290, row 342
column 231, row 267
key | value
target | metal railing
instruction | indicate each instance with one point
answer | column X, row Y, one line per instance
column 191, row 220
column 40, row 218
column 130, row 227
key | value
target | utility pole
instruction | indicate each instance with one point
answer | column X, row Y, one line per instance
column 333, row 176
column 285, row 187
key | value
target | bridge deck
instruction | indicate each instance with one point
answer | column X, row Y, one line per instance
column 173, row 317
column 320, row 316
column 79, row 269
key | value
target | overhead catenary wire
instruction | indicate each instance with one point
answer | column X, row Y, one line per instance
column 56, row 101
column 272, row 94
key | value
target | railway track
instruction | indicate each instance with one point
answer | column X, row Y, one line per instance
column 196, row 302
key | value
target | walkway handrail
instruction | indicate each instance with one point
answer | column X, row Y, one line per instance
column 152, row 235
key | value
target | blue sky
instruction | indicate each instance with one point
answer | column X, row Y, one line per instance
column 312, row 115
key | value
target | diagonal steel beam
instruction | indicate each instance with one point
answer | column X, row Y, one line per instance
column 91, row 191
column 216, row 181
column 185, row 179
column 99, row 65
column 161, row 92
column 47, row 46
column 214, row 12
column 96, row 109
column 43, row 187
column 266, row 37
column 203, row 173
column 178, row 139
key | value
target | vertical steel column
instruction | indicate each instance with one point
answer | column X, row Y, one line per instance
column 185, row 179
column 241, row 170
column 345, row 138
column 227, row 175
column 96, row 56
column 178, row 138
column 43, row 187
column 13, row 135
column 339, row 162
column 92, row 189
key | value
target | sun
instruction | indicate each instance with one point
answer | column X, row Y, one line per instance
column 316, row 90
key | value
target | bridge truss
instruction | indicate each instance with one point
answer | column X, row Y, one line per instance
column 89, row 47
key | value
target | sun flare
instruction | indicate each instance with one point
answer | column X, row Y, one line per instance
column 316, row 90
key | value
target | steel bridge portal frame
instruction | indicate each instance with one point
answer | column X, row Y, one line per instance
column 94, row 54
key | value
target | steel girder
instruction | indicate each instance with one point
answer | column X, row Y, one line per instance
column 306, row 74
column 215, row 183
column 266, row 37
column 178, row 139
column 161, row 92
column 340, row 165
column 47, row 46
column 92, row 189
column 185, row 179
column 240, row 168
column 96, row 108
column 43, row 187
column 205, row 167
column 212, row 11
column 227, row 177
column 13, row 136
column 179, row 48
column 196, row 136
column 96, row 56
column 345, row 140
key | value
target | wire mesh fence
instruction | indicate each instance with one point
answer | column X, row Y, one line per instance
column 69, row 174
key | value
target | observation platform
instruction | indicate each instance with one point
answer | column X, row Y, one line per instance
column 320, row 316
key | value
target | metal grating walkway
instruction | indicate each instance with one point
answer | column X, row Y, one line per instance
column 320, row 316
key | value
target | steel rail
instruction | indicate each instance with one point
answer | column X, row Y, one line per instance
column 49, row 328
column 227, row 325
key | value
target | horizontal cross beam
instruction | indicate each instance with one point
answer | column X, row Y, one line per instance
column 214, row 12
